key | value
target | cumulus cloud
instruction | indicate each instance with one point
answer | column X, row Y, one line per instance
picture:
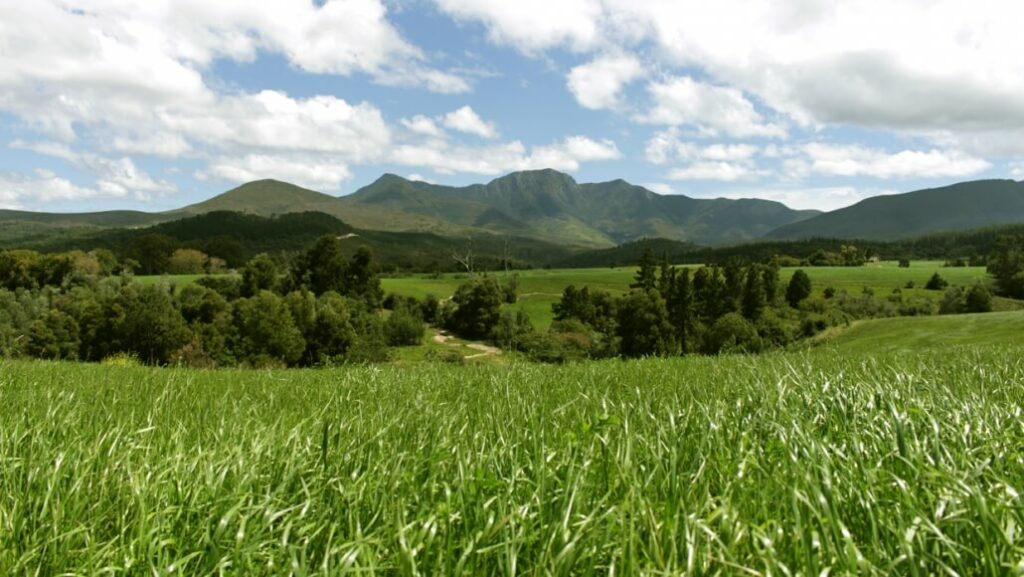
column 598, row 83
column 46, row 186
column 909, row 65
column 314, row 172
column 713, row 110
column 445, row 158
column 115, row 177
column 466, row 120
column 711, row 170
column 855, row 160
column 423, row 125
column 533, row 25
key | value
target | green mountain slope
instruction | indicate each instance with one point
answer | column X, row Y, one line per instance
column 960, row 206
column 554, row 207
column 916, row 334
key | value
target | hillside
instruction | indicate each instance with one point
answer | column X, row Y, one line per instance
column 237, row 237
column 960, row 206
column 915, row 334
column 551, row 205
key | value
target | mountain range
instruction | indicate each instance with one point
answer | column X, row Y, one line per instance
column 551, row 207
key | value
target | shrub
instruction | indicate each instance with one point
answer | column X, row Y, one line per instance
column 799, row 288
column 733, row 333
column 978, row 300
column 404, row 328
column 936, row 283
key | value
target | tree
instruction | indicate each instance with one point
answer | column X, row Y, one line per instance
column 54, row 336
column 799, row 288
column 404, row 327
column 187, row 261
column 152, row 252
column 265, row 332
column 1006, row 265
column 646, row 277
column 259, row 274
column 936, row 283
column 333, row 331
column 643, row 326
column 152, row 327
column 513, row 330
column 753, row 299
column 978, row 300
column 733, row 333
column 477, row 308
column 904, row 263
column 361, row 281
column 322, row 267
column 680, row 308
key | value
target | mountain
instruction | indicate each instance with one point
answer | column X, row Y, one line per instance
column 550, row 205
column 966, row 205
column 263, row 198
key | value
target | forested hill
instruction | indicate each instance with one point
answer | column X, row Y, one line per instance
column 236, row 237
column 967, row 205
column 550, row 205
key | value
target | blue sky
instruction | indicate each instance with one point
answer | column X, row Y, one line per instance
column 111, row 104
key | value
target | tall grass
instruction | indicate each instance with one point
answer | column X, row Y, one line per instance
column 783, row 464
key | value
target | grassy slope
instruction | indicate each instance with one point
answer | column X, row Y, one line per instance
column 803, row 463
column 920, row 333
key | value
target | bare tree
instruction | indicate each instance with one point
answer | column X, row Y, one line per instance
column 465, row 257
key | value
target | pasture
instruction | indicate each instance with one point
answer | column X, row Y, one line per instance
column 790, row 463
column 539, row 289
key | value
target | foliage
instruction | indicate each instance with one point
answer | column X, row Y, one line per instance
column 1006, row 265
column 936, row 283
column 477, row 308
column 799, row 288
column 134, row 470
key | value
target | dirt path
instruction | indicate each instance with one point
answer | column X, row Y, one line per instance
column 444, row 338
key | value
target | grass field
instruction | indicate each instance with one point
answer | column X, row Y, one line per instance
column 539, row 289
column 920, row 333
column 801, row 463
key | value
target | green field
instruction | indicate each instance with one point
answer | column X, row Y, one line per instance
column 800, row 463
column 919, row 333
column 539, row 289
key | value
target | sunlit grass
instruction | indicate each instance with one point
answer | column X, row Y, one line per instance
column 784, row 464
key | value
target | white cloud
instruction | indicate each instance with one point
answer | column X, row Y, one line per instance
column 597, row 84
column 18, row 190
column 314, row 172
column 854, row 160
column 466, row 120
column 1017, row 170
column 820, row 198
column 423, row 125
column 668, row 145
column 444, row 158
column 115, row 177
column 710, row 170
column 533, row 25
column 660, row 187
column 910, row 65
column 714, row 110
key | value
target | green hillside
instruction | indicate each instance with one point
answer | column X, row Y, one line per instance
column 263, row 198
column 551, row 205
column 915, row 334
column 960, row 206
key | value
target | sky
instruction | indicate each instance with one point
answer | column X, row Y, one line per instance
column 155, row 104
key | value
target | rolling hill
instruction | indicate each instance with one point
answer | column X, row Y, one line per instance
column 550, row 205
column 967, row 205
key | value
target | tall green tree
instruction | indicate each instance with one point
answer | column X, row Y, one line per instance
column 1006, row 265
column 477, row 308
column 646, row 277
column 643, row 327
column 799, row 288
column 753, row 299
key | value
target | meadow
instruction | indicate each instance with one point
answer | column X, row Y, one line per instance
column 815, row 462
column 540, row 288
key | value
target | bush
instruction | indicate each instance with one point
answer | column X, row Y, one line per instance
column 978, row 300
column 733, row 333
column 936, row 283
column 512, row 330
column 953, row 302
column 477, row 309
column 404, row 328
column 799, row 288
